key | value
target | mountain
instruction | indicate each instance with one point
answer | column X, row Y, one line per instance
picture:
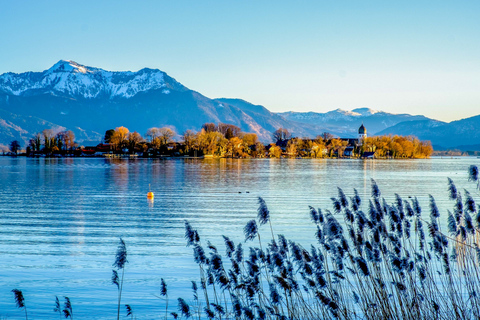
column 461, row 134
column 90, row 101
column 272, row 121
column 346, row 123
column 21, row 128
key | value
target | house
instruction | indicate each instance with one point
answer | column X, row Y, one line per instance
column 368, row 155
column 348, row 152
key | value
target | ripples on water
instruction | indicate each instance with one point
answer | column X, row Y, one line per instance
column 61, row 219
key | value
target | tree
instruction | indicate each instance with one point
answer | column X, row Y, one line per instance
column 15, row 146
column 165, row 136
column 229, row 130
column 108, row 135
column 209, row 127
column 281, row 134
column 49, row 140
column 249, row 139
column 258, row 150
column 153, row 135
column 326, row 136
column 317, row 150
column 134, row 139
column 234, row 147
column 336, row 146
column 274, row 151
column 188, row 138
column 119, row 137
column 65, row 139
column 292, row 147
column 209, row 142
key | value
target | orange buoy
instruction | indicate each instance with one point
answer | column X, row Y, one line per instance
column 150, row 193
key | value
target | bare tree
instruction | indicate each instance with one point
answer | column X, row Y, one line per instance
column 48, row 139
column 65, row 139
column 166, row 135
column 327, row 136
column 134, row 139
column 153, row 135
column 229, row 130
column 281, row 134
column 209, row 127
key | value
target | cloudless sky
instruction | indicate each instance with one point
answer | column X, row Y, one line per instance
column 417, row 57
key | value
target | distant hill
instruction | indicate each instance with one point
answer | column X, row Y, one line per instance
column 346, row 123
column 463, row 133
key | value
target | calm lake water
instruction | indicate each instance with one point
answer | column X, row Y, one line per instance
column 61, row 219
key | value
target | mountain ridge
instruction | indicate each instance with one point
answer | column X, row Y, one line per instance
column 90, row 100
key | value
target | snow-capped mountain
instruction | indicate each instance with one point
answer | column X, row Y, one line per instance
column 89, row 101
column 343, row 121
column 69, row 78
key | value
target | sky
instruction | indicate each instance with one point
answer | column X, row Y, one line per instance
column 416, row 57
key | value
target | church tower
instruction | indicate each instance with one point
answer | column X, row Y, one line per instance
column 362, row 134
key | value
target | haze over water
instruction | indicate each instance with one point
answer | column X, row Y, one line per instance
column 61, row 219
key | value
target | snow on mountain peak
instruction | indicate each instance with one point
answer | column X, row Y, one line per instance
column 74, row 79
column 365, row 111
column 67, row 66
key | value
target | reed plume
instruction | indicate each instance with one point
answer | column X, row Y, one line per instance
column 20, row 301
column 67, row 308
column 120, row 261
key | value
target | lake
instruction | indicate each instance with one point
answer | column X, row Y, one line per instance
column 61, row 219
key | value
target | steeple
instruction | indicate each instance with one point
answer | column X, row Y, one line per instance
column 362, row 134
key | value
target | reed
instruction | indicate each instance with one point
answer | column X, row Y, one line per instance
column 389, row 262
column 377, row 261
column 119, row 264
column 67, row 308
column 20, row 301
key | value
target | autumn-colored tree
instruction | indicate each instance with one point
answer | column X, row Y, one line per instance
column 397, row 147
column 119, row 137
column 318, row 149
column 333, row 146
column 211, row 142
column 258, row 150
column 189, row 140
column 274, row 151
column 293, row 147
column 249, row 139
column 234, row 147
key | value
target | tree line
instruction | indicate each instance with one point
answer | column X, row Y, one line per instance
column 227, row 140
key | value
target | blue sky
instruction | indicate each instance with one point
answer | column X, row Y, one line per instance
column 418, row 57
